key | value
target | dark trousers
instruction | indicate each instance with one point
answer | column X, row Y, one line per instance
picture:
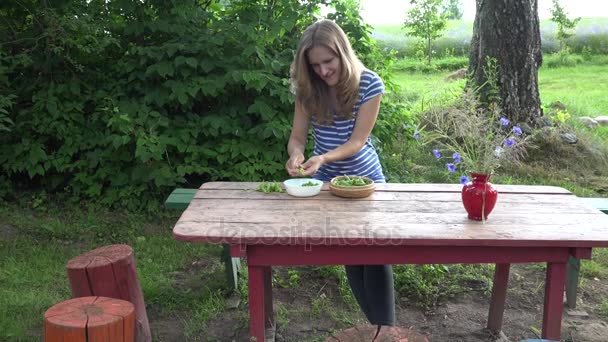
column 373, row 287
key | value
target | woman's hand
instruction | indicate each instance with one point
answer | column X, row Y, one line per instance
column 312, row 165
column 294, row 163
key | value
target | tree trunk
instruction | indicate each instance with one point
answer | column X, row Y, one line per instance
column 508, row 30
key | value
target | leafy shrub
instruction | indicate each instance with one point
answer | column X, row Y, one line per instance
column 452, row 63
column 442, row 64
column 6, row 102
column 597, row 43
column 124, row 106
column 562, row 59
column 586, row 53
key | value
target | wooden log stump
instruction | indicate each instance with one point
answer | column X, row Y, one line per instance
column 387, row 334
column 88, row 319
column 110, row 271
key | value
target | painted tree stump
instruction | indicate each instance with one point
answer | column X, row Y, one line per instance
column 88, row 319
column 110, row 271
column 387, row 334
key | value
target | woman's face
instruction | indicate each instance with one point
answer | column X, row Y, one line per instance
column 325, row 64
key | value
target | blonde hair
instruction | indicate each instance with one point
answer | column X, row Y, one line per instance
column 312, row 93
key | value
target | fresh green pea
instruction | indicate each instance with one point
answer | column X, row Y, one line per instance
column 351, row 181
column 309, row 183
column 267, row 187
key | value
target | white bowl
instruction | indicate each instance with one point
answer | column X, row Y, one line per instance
column 294, row 187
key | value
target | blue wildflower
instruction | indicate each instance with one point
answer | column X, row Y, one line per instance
column 504, row 121
column 416, row 135
column 456, row 157
column 437, row 154
column 451, row 167
column 517, row 130
column 509, row 142
column 464, row 180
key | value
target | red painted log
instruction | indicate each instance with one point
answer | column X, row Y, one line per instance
column 88, row 319
column 110, row 271
column 387, row 334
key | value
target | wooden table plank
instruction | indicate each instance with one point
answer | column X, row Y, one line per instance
column 374, row 219
column 410, row 187
column 571, row 205
column 456, row 234
column 410, row 214
column 378, row 196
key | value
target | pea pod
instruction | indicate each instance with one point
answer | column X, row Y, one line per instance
column 351, row 181
column 267, row 187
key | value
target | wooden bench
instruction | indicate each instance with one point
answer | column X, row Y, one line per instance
column 600, row 204
column 180, row 199
column 574, row 264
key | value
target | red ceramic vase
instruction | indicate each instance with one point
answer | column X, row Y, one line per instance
column 479, row 196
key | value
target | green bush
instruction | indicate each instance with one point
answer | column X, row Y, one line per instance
column 562, row 59
column 597, row 43
column 441, row 64
column 122, row 101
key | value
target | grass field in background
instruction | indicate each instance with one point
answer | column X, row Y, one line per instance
column 417, row 87
column 583, row 89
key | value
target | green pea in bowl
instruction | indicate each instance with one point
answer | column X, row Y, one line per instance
column 352, row 186
column 303, row 187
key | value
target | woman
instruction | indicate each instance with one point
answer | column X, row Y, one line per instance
column 340, row 98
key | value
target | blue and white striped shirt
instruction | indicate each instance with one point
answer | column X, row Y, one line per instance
column 327, row 138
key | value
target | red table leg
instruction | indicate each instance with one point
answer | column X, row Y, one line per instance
column 554, row 300
column 261, row 318
column 268, row 311
column 499, row 295
column 257, row 303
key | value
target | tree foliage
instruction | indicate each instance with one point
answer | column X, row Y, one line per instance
column 453, row 9
column 564, row 24
column 119, row 100
column 425, row 21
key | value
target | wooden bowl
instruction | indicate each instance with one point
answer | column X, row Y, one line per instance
column 357, row 191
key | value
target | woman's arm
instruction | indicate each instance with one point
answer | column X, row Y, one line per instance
column 366, row 119
column 297, row 140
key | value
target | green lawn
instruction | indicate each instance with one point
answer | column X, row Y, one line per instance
column 583, row 89
column 35, row 246
column 417, row 87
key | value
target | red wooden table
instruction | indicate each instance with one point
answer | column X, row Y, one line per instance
column 398, row 224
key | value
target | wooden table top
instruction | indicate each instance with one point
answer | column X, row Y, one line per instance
column 396, row 214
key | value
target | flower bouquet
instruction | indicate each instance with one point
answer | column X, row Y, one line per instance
column 475, row 141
